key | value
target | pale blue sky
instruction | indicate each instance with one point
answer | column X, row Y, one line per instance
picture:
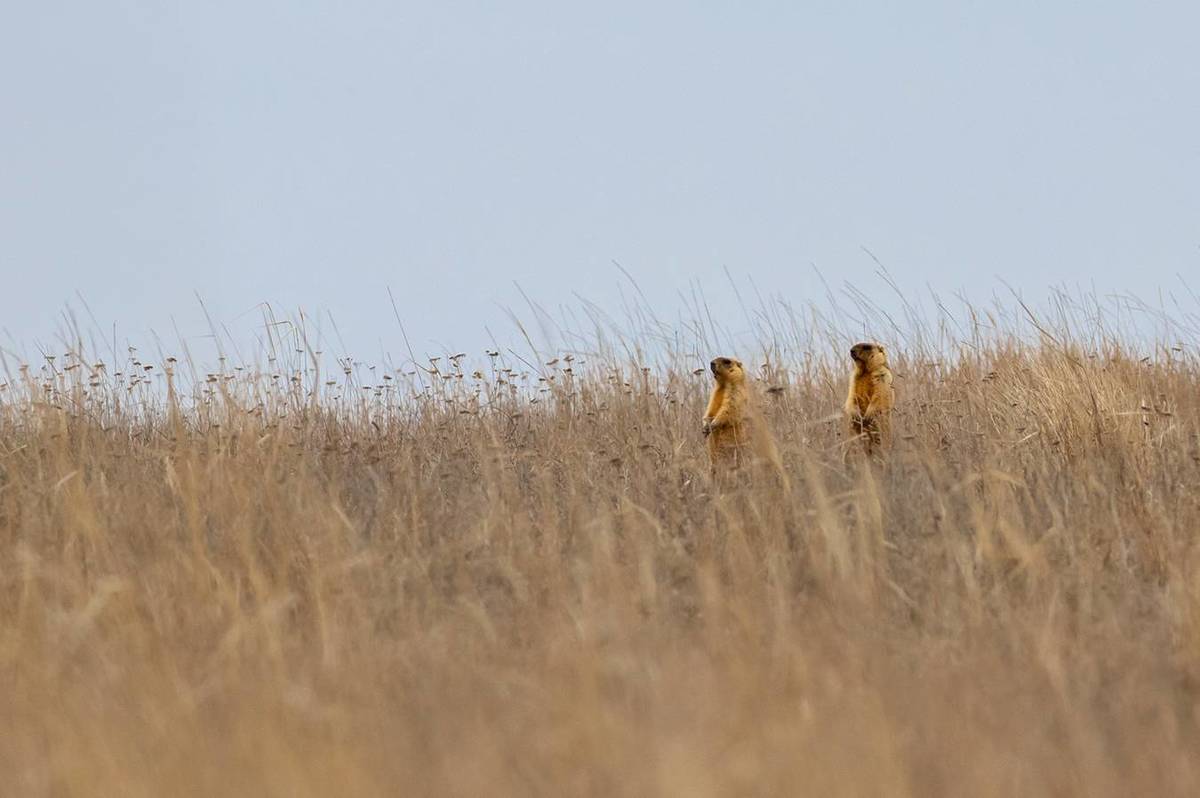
column 314, row 153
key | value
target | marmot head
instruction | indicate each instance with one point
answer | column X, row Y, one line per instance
column 726, row 369
column 868, row 356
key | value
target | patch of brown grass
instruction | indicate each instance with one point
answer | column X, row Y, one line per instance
column 443, row 584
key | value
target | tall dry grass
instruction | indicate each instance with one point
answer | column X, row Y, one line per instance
column 501, row 576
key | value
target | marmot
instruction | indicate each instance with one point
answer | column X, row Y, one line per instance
column 871, row 396
column 733, row 424
column 726, row 421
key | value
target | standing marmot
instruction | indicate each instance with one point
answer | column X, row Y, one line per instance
column 871, row 396
column 737, row 433
column 726, row 422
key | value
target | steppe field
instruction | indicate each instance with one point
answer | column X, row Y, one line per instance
column 510, row 574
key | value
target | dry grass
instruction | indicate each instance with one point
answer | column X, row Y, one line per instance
column 270, row 582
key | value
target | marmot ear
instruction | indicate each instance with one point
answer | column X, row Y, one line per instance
column 739, row 363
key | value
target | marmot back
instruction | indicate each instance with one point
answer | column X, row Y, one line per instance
column 871, row 397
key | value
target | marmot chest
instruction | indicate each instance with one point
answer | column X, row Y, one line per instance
column 865, row 387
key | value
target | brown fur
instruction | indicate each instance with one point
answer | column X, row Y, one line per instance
column 871, row 397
